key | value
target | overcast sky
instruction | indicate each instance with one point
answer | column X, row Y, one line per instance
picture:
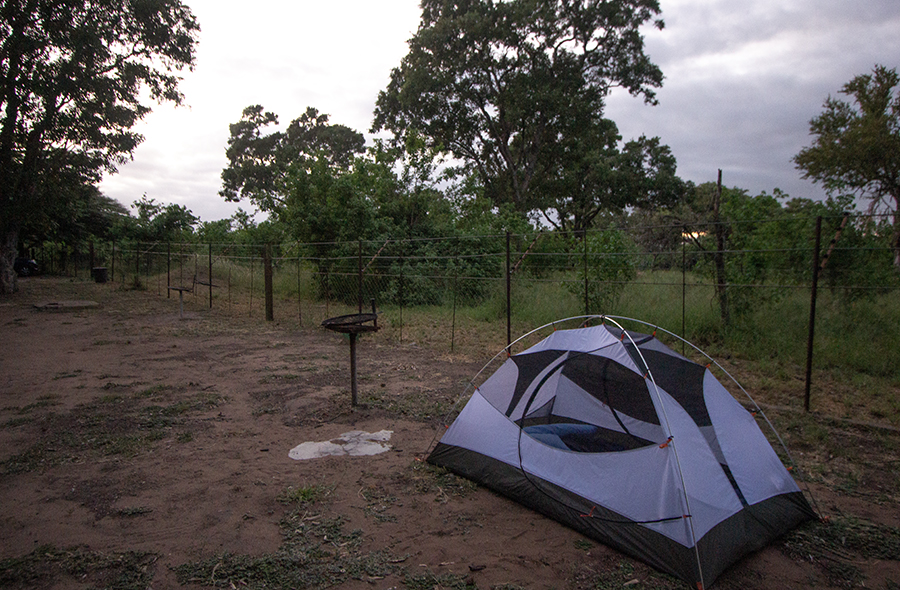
column 743, row 79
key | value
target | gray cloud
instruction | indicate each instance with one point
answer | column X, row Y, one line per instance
column 742, row 82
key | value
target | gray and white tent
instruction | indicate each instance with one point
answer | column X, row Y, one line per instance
column 621, row 438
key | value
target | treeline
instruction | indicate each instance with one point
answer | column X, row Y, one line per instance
column 753, row 248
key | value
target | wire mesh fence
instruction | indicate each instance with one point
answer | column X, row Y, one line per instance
column 474, row 294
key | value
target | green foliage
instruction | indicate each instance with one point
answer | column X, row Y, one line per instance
column 75, row 78
column 856, row 147
column 768, row 243
column 156, row 222
column 596, row 176
column 514, row 89
column 258, row 163
column 608, row 262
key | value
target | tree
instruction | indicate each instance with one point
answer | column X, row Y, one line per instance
column 501, row 85
column 156, row 222
column 258, row 163
column 596, row 177
column 73, row 75
column 856, row 147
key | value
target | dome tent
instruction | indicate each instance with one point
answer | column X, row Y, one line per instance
column 616, row 435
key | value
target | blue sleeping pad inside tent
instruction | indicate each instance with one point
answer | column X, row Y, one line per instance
column 582, row 438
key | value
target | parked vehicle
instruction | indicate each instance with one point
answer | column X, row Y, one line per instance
column 25, row 267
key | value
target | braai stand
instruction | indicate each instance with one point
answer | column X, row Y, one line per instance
column 353, row 325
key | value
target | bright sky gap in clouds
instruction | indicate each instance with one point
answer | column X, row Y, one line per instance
column 742, row 82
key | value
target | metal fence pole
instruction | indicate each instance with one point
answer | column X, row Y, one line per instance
column 812, row 313
column 453, row 325
column 683, row 288
column 402, row 288
column 587, row 305
column 360, row 280
column 508, row 293
column 270, row 299
column 299, row 296
column 209, row 277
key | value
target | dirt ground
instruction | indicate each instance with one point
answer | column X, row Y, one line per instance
column 139, row 449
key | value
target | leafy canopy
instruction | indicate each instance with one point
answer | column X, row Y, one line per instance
column 504, row 85
column 73, row 78
column 259, row 163
column 856, row 146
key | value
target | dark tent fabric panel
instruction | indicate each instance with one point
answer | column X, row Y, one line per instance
column 750, row 530
column 681, row 379
column 616, row 386
column 569, row 509
column 530, row 366
column 585, row 438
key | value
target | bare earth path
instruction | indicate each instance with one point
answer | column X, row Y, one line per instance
column 127, row 430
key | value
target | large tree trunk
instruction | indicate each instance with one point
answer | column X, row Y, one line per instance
column 9, row 240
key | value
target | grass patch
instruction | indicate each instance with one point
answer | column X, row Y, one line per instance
column 845, row 536
column 430, row 581
column 834, row 546
column 583, row 544
column 110, row 425
column 414, row 406
column 316, row 552
column 49, row 566
column 425, row 478
column 378, row 502
column 304, row 495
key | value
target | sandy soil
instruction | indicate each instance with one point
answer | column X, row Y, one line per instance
column 125, row 428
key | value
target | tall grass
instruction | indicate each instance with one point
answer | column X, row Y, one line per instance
column 857, row 342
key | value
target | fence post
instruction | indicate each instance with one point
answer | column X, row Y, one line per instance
column 721, row 286
column 270, row 306
column 168, row 269
column 508, row 293
column 584, row 242
column 299, row 295
column 328, row 290
column 812, row 313
column 402, row 288
column 453, row 325
column 683, row 286
column 360, row 268
column 209, row 276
